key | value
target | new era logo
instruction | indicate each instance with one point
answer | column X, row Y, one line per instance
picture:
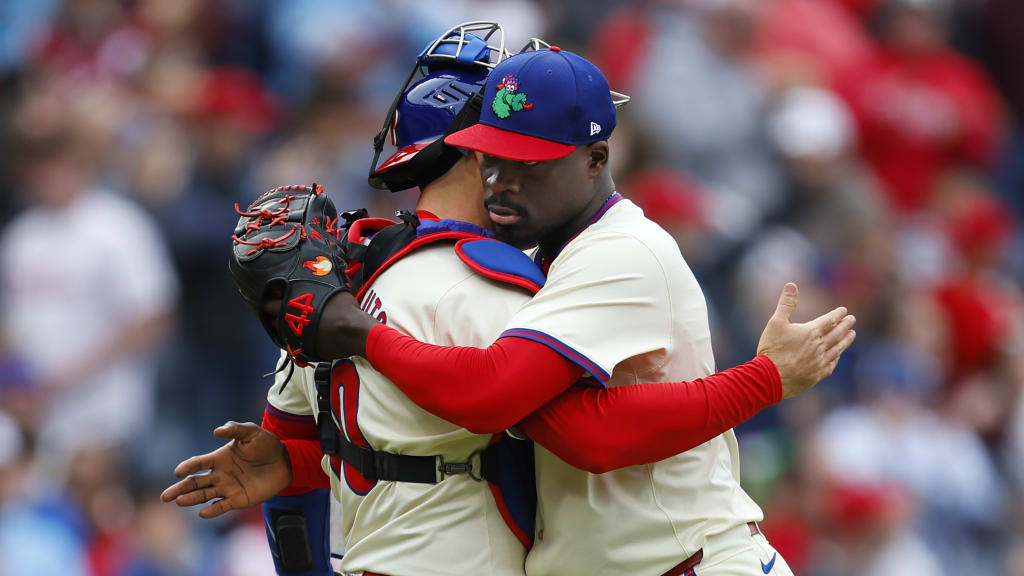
column 594, row 128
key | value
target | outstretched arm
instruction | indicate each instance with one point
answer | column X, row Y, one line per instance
column 490, row 389
column 601, row 430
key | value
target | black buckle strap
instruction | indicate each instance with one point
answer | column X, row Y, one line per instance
column 379, row 465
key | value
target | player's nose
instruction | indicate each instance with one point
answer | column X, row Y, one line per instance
column 500, row 177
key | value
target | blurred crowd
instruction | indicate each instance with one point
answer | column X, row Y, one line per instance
column 870, row 150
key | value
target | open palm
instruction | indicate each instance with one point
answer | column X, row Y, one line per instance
column 250, row 469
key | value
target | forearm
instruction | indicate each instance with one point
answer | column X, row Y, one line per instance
column 605, row 429
column 484, row 390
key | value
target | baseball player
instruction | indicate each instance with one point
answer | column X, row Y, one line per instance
column 619, row 306
column 391, row 515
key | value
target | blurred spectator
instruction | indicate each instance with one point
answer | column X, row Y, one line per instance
column 983, row 308
column 832, row 236
column 327, row 145
column 1004, row 27
column 893, row 437
column 352, row 39
column 93, row 40
column 920, row 107
column 810, row 41
column 621, row 43
column 161, row 540
column 699, row 101
column 522, row 19
column 219, row 344
column 88, row 293
column 22, row 22
column 245, row 551
column 40, row 535
column 868, row 531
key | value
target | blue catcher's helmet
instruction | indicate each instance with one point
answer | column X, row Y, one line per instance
column 451, row 72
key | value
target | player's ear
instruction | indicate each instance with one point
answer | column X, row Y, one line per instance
column 597, row 158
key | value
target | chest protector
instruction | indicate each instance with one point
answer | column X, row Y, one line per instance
column 507, row 464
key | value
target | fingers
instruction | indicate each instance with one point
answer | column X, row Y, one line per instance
column 216, row 509
column 839, row 331
column 822, row 324
column 190, row 484
column 833, row 354
column 194, row 464
column 787, row 302
column 197, row 496
column 234, row 430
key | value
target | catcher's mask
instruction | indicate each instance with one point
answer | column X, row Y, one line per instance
column 448, row 74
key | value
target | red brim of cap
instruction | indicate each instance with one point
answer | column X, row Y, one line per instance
column 509, row 145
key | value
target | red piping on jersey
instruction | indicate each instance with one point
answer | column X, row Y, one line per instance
column 493, row 274
column 560, row 347
column 277, row 414
column 499, row 500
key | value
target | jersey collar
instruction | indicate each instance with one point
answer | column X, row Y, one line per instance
column 544, row 260
column 432, row 226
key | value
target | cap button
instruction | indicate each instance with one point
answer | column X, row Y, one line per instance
column 555, row 49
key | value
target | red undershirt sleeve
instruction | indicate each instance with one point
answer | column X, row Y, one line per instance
column 302, row 443
column 605, row 429
column 307, row 474
column 484, row 390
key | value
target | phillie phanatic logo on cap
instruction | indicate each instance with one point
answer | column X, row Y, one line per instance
column 576, row 108
column 509, row 99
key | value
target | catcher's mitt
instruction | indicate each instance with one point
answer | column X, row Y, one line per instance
column 287, row 246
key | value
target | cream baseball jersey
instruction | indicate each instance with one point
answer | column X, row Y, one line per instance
column 620, row 301
column 453, row 527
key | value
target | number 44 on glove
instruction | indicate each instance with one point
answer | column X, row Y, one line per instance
column 288, row 246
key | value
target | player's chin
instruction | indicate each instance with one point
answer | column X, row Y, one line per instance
column 516, row 235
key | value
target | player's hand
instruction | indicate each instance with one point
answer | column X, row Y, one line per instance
column 805, row 353
column 249, row 470
column 343, row 328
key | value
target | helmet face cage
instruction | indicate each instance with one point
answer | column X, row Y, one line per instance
column 454, row 47
column 468, row 45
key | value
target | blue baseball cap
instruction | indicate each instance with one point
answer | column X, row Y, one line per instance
column 540, row 105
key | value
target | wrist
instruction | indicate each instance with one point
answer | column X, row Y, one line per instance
column 288, row 474
column 343, row 329
column 773, row 377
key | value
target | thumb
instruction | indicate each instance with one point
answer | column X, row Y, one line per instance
column 787, row 302
column 233, row 430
